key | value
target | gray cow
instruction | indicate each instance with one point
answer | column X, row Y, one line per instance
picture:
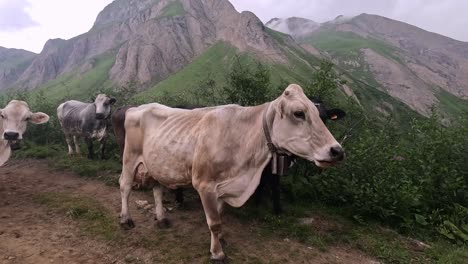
column 87, row 120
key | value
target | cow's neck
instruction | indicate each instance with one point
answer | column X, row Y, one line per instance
column 237, row 190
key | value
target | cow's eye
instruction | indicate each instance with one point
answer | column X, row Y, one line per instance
column 2, row 116
column 300, row 115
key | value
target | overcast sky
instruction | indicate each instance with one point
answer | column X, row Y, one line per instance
column 28, row 24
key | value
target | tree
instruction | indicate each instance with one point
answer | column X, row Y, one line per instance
column 324, row 82
column 248, row 85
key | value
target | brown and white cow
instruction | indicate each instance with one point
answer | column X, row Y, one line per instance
column 14, row 119
column 221, row 151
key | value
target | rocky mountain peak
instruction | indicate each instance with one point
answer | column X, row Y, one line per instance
column 151, row 39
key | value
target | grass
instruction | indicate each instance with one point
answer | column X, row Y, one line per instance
column 210, row 64
column 93, row 219
column 57, row 157
column 348, row 44
column 450, row 104
column 330, row 227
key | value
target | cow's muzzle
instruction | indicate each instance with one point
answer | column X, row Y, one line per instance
column 100, row 116
column 10, row 136
column 337, row 153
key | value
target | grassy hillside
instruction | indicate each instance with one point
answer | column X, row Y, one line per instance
column 215, row 62
column 79, row 86
column 345, row 48
column 348, row 44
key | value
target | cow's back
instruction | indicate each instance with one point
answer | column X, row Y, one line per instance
column 163, row 139
column 77, row 118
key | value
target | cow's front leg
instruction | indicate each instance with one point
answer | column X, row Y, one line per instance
column 69, row 143
column 162, row 221
column 102, row 147
column 211, row 206
column 89, row 142
column 77, row 144
column 125, row 181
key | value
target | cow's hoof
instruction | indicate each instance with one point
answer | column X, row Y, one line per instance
column 127, row 225
column 163, row 223
column 220, row 261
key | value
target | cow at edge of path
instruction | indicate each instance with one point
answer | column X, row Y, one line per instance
column 268, row 180
column 87, row 120
column 220, row 151
column 14, row 119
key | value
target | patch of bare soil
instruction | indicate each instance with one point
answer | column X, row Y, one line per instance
column 31, row 232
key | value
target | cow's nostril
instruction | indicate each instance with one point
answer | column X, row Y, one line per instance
column 337, row 152
column 99, row 116
column 11, row 135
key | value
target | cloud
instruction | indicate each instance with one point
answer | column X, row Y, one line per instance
column 55, row 19
column 13, row 15
column 444, row 17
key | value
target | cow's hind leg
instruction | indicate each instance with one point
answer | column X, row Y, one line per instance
column 102, row 147
column 211, row 206
column 162, row 221
column 126, row 181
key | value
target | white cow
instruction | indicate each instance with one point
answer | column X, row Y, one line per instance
column 14, row 119
column 221, row 151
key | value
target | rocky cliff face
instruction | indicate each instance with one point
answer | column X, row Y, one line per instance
column 13, row 62
column 150, row 39
column 410, row 64
column 435, row 59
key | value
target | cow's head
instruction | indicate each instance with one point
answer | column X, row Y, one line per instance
column 103, row 105
column 325, row 113
column 14, row 120
column 298, row 129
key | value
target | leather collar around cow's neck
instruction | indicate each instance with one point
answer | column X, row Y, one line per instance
column 266, row 132
column 280, row 162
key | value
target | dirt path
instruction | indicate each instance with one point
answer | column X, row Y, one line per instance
column 32, row 231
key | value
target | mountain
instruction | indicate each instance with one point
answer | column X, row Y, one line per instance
column 171, row 46
column 417, row 67
column 13, row 62
column 148, row 40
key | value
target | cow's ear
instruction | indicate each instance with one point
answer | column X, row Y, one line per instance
column 335, row 114
column 112, row 100
column 39, row 118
